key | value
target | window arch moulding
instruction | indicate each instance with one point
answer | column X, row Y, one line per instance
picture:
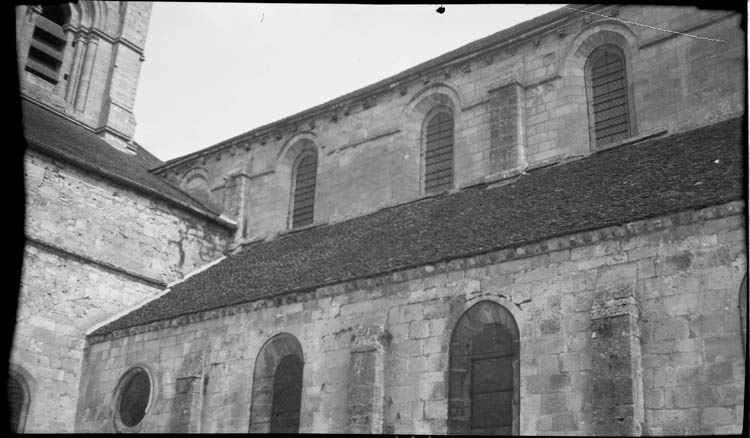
column 195, row 183
column 484, row 376
column 608, row 96
column 275, row 352
column 578, row 127
column 287, row 162
column 413, row 121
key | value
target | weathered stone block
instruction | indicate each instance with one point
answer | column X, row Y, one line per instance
column 693, row 396
column 553, row 403
column 568, row 362
column 435, row 409
column 653, row 398
column 717, row 416
column 550, row 326
column 721, row 348
column 729, row 395
column 646, row 268
column 675, row 417
column 551, row 344
column 548, row 365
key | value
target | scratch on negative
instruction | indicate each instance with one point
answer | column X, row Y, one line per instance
column 646, row 25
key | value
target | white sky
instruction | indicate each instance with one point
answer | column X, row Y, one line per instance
column 216, row 70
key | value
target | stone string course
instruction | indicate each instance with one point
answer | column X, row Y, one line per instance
column 526, row 107
column 99, row 249
column 558, row 251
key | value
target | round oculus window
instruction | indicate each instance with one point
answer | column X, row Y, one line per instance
column 134, row 396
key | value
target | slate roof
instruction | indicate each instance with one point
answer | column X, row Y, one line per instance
column 55, row 135
column 614, row 186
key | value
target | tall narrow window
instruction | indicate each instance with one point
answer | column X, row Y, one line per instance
column 608, row 98
column 287, row 395
column 277, row 386
column 18, row 402
column 304, row 189
column 484, row 373
column 48, row 43
column 438, row 138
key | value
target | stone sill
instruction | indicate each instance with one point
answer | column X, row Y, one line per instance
column 653, row 133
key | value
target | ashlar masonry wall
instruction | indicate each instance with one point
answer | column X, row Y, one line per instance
column 520, row 103
column 61, row 298
column 682, row 369
column 86, row 214
column 94, row 249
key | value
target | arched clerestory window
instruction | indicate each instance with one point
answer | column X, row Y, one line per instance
column 277, row 386
column 195, row 183
column 48, row 43
column 18, row 398
column 607, row 89
column 438, row 151
column 484, row 372
column 303, row 189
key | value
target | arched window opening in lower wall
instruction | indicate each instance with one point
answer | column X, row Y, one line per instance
column 277, row 386
column 287, row 395
column 18, row 402
column 484, row 377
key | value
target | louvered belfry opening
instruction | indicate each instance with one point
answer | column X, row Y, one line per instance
column 287, row 395
column 438, row 136
column 47, row 44
column 134, row 397
column 304, row 190
column 609, row 87
column 17, row 403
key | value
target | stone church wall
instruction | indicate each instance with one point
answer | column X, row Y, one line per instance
column 86, row 214
column 93, row 250
column 383, row 343
column 61, row 298
column 517, row 105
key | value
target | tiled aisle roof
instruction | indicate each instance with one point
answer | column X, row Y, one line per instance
column 691, row 170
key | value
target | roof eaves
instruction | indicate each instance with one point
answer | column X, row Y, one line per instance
column 57, row 153
column 455, row 56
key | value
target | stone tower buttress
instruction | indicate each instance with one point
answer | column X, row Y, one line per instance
column 83, row 60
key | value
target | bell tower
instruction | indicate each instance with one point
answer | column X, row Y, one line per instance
column 83, row 60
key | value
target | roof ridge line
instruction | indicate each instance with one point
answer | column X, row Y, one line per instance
column 455, row 55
